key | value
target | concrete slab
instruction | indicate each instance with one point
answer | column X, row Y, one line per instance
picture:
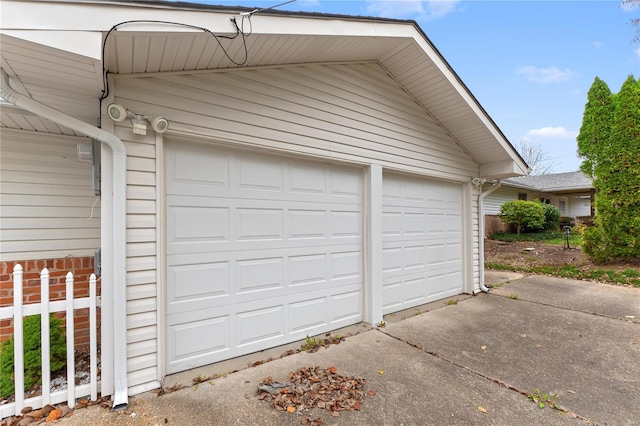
column 590, row 361
column 493, row 278
column 602, row 299
column 415, row 388
column 438, row 367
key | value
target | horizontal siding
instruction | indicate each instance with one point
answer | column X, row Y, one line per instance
column 351, row 112
column 475, row 231
column 142, row 288
column 497, row 198
column 47, row 205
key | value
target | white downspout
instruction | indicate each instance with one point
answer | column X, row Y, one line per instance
column 481, row 196
column 120, row 399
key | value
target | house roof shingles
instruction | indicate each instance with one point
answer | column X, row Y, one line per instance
column 557, row 182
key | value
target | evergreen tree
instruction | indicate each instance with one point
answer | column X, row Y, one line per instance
column 596, row 123
column 615, row 163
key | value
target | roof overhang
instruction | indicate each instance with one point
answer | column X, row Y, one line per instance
column 59, row 61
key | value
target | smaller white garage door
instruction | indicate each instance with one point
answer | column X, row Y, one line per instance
column 422, row 241
column 261, row 251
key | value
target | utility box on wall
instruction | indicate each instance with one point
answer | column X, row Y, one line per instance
column 95, row 151
column 97, row 262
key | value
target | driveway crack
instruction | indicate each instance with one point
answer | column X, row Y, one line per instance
column 566, row 308
column 483, row 376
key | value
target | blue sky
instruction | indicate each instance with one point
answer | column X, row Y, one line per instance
column 529, row 63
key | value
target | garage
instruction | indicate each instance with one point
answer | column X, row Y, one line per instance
column 261, row 249
column 422, row 241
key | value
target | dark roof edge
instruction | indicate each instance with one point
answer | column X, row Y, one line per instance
column 223, row 8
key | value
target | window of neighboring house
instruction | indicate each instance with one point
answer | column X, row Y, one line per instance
column 562, row 204
column 522, row 196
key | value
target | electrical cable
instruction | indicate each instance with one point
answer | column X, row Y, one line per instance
column 239, row 31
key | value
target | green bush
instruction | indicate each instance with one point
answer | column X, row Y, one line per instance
column 527, row 216
column 32, row 354
column 551, row 217
column 592, row 244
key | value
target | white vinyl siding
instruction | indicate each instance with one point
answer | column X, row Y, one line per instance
column 497, row 198
column 47, row 205
column 142, row 296
column 350, row 113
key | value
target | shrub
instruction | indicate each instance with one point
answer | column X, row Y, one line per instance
column 592, row 244
column 525, row 215
column 32, row 354
column 551, row 217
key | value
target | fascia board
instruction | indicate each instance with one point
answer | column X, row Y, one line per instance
column 83, row 43
column 500, row 170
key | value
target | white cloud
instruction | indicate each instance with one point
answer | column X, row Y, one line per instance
column 637, row 52
column 551, row 132
column 545, row 75
column 597, row 44
column 415, row 9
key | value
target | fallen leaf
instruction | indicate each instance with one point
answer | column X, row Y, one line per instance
column 54, row 415
column 331, row 370
column 291, row 409
column 371, row 393
column 380, row 372
column 483, row 347
column 571, row 391
column 356, row 406
column 482, row 409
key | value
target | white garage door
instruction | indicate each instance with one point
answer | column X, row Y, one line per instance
column 422, row 242
column 261, row 250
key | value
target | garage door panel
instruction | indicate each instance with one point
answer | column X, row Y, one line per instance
column 199, row 285
column 190, row 166
column 247, row 175
column 240, row 329
column 422, row 241
column 231, row 279
column 259, row 325
column 232, row 224
column 264, row 252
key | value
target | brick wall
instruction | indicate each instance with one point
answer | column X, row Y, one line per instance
column 493, row 225
column 80, row 267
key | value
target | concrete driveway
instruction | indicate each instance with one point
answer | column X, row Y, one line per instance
column 472, row 362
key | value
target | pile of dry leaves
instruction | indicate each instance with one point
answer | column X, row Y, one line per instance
column 312, row 387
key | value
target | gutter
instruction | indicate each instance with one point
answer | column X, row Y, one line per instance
column 120, row 398
column 496, row 185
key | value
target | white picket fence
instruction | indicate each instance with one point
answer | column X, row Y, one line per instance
column 18, row 311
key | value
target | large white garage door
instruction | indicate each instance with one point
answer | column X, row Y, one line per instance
column 422, row 242
column 261, row 250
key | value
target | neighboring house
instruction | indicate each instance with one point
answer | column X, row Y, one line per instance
column 572, row 193
column 329, row 179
